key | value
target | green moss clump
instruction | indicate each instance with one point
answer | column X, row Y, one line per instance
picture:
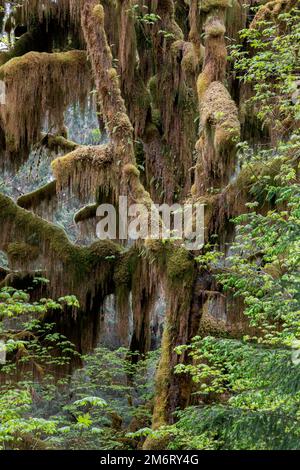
column 180, row 265
column 54, row 143
column 131, row 170
column 53, row 243
column 121, row 125
column 123, row 271
column 104, row 250
column 98, row 12
column 30, row 102
column 157, row 247
column 34, row 199
column 27, row 224
column 22, row 252
column 84, row 170
column 203, row 83
column 86, row 213
column 40, row 59
column 215, row 28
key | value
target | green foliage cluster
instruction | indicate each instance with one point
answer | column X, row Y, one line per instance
column 270, row 64
column 249, row 394
column 111, row 394
column 34, row 352
column 247, row 397
column 263, row 266
column 45, row 404
column 247, row 391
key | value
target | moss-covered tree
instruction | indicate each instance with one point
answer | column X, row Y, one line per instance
column 175, row 114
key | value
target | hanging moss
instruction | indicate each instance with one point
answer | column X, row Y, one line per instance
column 56, row 81
column 20, row 253
column 192, row 59
column 61, row 10
column 215, row 55
column 173, row 108
column 220, row 128
column 65, row 264
column 177, row 269
column 145, row 288
column 84, row 170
